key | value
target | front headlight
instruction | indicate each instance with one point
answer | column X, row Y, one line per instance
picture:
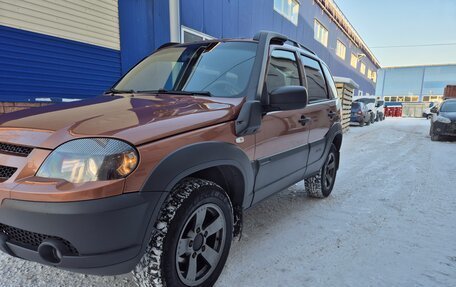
column 90, row 159
column 443, row 120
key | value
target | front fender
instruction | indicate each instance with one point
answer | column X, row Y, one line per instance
column 196, row 157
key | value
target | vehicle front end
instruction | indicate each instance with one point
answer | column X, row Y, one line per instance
column 74, row 177
column 66, row 208
column 444, row 121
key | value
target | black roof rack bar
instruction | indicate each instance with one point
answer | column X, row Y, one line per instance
column 299, row 45
column 281, row 38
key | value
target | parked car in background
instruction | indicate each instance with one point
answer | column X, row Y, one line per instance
column 429, row 111
column 380, row 106
column 153, row 176
column 360, row 114
column 370, row 102
column 444, row 121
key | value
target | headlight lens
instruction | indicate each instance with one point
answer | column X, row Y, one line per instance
column 90, row 159
column 443, row 120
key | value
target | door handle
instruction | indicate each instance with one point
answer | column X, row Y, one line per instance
column 303, row 120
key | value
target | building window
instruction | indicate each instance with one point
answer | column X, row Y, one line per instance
column 320, row 33
column 341, row 50
column 189, row 35
column 362, row 68
column 360, row 93
column 288, row 9
column 374, row 77
column 354, row 61
column 369, row 74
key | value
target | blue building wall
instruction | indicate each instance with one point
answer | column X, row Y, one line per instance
column 35, row 66
column 242, row 18
column 41, row 66
column 144, row 26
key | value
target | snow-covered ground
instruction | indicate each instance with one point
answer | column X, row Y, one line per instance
column 391, row 221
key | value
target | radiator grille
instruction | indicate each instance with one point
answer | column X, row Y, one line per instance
column 15, row 149
column 6, row 172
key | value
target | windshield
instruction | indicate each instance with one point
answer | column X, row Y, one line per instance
column 220, row 69
column 448, row 107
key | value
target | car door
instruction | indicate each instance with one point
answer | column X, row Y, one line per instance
column 321, row 110
column 281, row 143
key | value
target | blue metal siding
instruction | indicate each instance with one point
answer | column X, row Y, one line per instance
column 144, row 26
column 39, row 66
column 243, row 18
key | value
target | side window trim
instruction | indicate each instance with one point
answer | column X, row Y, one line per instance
column 297, row 60
column 310, row 102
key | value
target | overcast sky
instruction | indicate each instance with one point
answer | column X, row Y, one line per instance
column 412, row 23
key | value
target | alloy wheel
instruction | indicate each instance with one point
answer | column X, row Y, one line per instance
column 200, row 244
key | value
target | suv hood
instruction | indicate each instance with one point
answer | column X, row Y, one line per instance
column 449, row 115
column 138, row 119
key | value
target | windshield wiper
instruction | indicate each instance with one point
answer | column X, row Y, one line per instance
column 175, row 92
column 115, row 91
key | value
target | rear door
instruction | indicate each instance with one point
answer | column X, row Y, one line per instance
column 322, row 109
column 281, row 143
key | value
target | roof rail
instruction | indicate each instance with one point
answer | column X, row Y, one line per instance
column 272, row 36
column 299, row 45
column 282, row 39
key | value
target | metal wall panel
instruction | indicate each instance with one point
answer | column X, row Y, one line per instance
column 40, row 66
column 88, row 21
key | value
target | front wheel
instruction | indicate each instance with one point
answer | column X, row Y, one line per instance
column 321, row 184
column 194, row 236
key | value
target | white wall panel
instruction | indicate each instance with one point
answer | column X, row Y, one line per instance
column 89, row 21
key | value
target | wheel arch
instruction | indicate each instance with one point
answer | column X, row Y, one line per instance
column 221, row 162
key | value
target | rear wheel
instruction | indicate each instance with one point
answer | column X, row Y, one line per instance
column 193, row 240
column 372, row 119
column 321, row 185
column 361, row 123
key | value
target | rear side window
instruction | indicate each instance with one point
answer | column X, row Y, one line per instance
column 282, row 70
column 316, row 85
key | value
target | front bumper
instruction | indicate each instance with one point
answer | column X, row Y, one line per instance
column 443, row 129
column 102, row 237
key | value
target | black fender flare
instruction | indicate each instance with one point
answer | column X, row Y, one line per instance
column 196, row 157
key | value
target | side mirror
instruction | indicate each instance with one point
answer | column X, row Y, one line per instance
column 287, row 98
column 434, row 110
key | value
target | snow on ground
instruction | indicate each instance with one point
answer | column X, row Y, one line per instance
column 391, row 221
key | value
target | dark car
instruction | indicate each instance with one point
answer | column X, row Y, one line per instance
column 360, row 114
column 154, row 175
column 444, row 121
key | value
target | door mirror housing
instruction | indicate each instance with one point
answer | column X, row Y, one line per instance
column 287, row 98
column 434, row 110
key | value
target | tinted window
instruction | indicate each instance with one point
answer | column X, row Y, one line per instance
column 448, row 107
column 356, row 106
column 330, row 81
column 316, row 86
column 282, row 70
column 223, row 69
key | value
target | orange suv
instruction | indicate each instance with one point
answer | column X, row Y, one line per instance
column 154, row 175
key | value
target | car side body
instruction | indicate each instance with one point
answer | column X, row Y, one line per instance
column 275, row 132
